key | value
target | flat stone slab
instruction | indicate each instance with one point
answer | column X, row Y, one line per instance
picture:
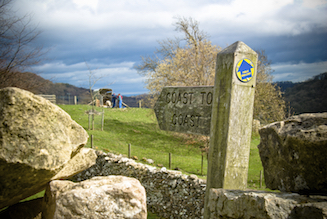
column 265, row 205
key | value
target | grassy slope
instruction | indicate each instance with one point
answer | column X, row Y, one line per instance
column 139, row 128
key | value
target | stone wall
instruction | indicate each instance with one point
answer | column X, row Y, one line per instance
column 170, row 194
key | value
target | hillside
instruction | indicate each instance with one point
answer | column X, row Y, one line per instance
column 308, row 96
column 38, row 85
column 304, row 97
column 284, row 85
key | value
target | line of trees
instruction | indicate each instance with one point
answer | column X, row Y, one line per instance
column 191, row 61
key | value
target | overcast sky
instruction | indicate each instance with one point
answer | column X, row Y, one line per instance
column 112, row 35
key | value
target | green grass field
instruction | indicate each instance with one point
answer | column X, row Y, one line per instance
column 139, row 128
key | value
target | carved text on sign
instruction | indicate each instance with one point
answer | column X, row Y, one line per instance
column 185, row 109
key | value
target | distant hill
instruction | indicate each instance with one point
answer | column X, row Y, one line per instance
column 38, row 85
column 64, row 92
column 306, row 97
column 284, row 85
column 132, row 101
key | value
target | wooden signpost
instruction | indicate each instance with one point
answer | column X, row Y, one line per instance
column 224, row 112
column 185, row 109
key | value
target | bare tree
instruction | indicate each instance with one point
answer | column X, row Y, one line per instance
column 269, row 103
column 93, row 79
column 17, row 49
column 192, row 64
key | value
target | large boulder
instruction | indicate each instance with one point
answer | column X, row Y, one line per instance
column 293, row 154
column 84, row 159
column 264, row 205
column 37, row 140
column 99, row 197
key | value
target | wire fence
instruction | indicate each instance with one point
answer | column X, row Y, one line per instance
column 85, row 100
column 72, row 100
column 189, row 164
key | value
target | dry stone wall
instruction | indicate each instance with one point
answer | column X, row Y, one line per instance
column 170, row 194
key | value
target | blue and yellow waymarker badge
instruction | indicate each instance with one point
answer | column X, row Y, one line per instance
column 245, row 70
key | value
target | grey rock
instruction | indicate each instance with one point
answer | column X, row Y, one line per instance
column 293, row 154
column 99, row 197
column 84, row 159
column 264, row 205
column 149, row 161
column 37, row 140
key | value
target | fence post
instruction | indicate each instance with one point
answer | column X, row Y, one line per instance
column 169, row 160
column 202, row 164
column 129, row 150
column 102, row 120
column 260, row 181
column 75, row 100
column 93, row 121
column 89, row 120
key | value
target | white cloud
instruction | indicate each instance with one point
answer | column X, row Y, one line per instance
column 78, row 74
column 102, row 31
column 263, row 18
column 298, row 72
column 127, row 17
column 314, row 3
column 87, row 4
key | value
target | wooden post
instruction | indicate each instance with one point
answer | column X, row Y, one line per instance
column 75, row 100
column 140, row 103
column 129, row 150
column 169, row 160
column 102, row 120
column 89, row 121
column 92, row 121
column 201, row 164
column 260, row 181
column 231, row 119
